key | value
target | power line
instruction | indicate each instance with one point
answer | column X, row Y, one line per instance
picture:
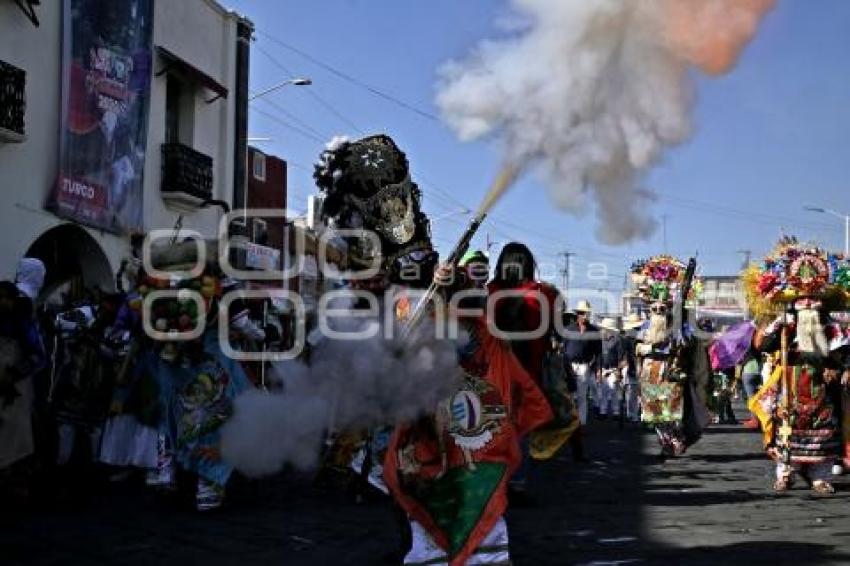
column 442, row 195
column 443, row 198
column 712, row 208
column 311, row 92
column 289, row 115
column 304, row 133
column 737, row 213
column 353, row 80
column 445, row 193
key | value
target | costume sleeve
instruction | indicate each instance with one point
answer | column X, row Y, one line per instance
column 526, row 401
column 768, row 342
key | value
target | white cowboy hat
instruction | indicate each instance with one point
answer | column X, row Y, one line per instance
column 609, row 324
column 632, row 321
column 583, row 306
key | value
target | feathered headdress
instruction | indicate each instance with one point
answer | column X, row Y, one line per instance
column 660, row 278
column 367, row 188
column 793, row 271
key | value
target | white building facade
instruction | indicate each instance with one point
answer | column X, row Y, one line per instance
column 195, row 133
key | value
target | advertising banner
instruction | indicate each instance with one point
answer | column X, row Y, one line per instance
column 106, row 78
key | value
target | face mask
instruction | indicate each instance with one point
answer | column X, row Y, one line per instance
column 391, row 211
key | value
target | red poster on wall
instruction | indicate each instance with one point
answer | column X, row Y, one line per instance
column 106, row 72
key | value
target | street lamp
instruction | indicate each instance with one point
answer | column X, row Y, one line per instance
column 846, row 218
column 300, row 81
column 296, row 82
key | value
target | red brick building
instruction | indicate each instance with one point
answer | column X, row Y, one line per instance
column 266, row 189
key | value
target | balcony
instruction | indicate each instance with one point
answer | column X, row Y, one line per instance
column 187, row 176
column 12, row 102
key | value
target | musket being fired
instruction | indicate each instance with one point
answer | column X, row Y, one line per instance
column 503, row 180
column 421, row 308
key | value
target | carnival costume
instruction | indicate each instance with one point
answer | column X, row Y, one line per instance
column 22, row 355
column 799, row 284
column 450, row 471
column 196, row 381
column 674, row 366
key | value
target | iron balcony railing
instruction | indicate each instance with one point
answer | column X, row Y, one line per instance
column 186, row 171
column 12, row 100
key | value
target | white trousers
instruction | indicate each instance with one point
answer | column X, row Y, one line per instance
column 585, row 379
column 610, row 392
column 632, row 396
column 492, row 550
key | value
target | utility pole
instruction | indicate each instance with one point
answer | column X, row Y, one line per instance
column 489, row 243
column 748, row 254
column 565, row 274
column 664, row 218
column 604, row 294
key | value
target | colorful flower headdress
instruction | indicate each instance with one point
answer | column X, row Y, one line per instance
column 793, row 271
column 660, row 278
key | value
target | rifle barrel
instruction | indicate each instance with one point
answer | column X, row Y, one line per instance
column 418, row 313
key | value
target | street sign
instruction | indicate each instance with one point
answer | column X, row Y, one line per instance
column 261, row 257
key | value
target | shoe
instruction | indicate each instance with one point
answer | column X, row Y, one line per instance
column 837, row 469
column 161, row 478
column 210, row 495
column 751, row 424
column 822, row 487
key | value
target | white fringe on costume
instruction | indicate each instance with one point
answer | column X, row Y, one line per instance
column 493, row 549
column 126, row 442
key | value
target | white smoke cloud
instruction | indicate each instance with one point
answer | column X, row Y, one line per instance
column 269, row 430
column 592, row 92
column 351, row 385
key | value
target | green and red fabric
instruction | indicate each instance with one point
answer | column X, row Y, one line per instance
column 449, row 472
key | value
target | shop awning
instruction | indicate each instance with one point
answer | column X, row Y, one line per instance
column 175, row 63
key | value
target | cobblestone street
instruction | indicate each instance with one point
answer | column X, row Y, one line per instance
column 713, row 505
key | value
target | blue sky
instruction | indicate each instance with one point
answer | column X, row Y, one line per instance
column 769, row 137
